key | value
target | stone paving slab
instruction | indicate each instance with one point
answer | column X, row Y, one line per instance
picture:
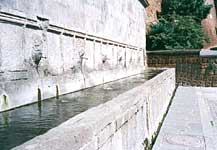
column 191, row 123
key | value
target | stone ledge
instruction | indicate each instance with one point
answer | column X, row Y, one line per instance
column 174, row 52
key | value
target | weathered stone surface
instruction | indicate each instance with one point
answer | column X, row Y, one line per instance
column 190, row 123
column 66, row 46
column 106, row 127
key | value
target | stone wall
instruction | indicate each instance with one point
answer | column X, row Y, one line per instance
column 209, row 25
column 120, row 124
column 168, row 58
column 191, row 69
column 55, row 47
column 201, row 72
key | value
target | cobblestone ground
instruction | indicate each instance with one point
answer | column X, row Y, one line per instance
column 191, row 123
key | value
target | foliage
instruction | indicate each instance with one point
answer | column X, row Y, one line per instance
column 195, row 8
column 212, row 68
column 179, row 26
column 177, row 32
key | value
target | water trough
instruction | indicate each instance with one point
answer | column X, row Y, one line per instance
column 22, row 124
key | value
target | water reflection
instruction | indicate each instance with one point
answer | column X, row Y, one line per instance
column 20, row 125
column 5, row 119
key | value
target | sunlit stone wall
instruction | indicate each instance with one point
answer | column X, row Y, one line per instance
column 55, row 47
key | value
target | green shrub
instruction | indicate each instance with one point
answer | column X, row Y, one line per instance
column 195, row 8
column 179, row 26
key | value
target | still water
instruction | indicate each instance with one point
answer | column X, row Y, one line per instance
column 22, row 124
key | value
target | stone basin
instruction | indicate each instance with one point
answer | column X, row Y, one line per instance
column 22, row 124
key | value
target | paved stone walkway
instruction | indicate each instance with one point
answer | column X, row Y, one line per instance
column 191, row 123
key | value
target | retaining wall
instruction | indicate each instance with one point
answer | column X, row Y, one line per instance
column 48, row 48
column 191, row 69
column 120, row 124
column 168, row 58
column 201, row 72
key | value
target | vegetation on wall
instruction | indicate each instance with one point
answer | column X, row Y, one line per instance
column 179, row 25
